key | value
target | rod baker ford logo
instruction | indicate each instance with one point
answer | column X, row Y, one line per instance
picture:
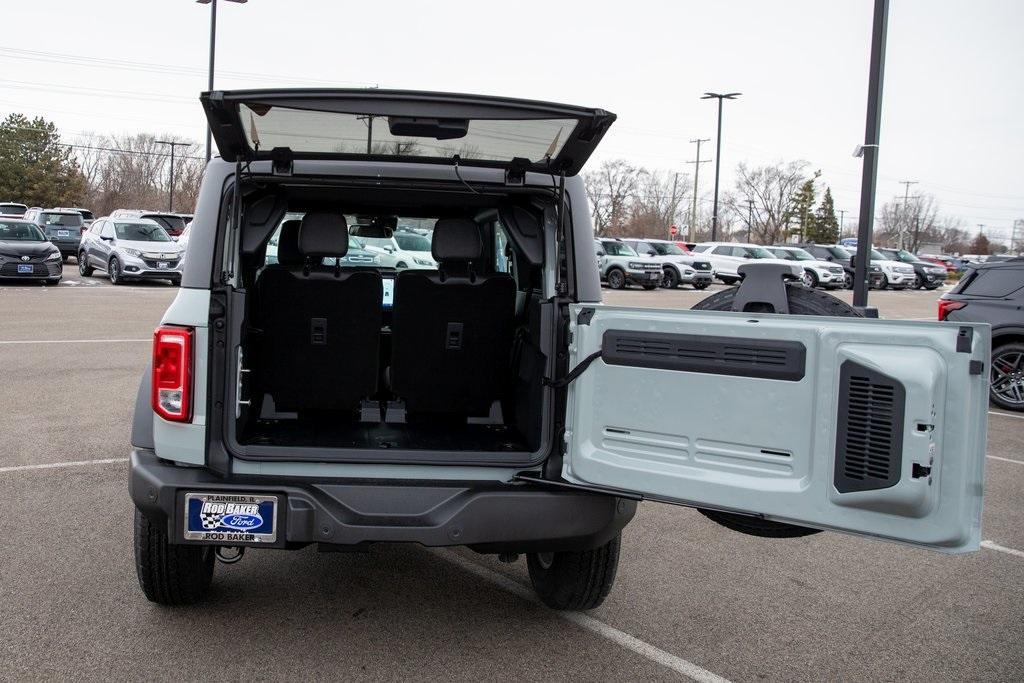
column 233, row 516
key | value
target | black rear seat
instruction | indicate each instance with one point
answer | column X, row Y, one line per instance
column 321, row 323
column 452, row 328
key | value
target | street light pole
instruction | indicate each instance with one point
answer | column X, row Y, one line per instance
column 213, row 51
column 170, row 185
column 696, row 174
column 718, row 154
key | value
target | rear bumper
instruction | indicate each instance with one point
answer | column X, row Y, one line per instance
column 487, row 516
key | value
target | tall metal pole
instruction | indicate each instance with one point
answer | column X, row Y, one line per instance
column 718, row 160
column 842, row 217
column 213, row 50
column 870, row 150
column 750, row 218
column 170, row 185
column 696, row 175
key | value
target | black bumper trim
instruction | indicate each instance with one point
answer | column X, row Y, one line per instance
column 487, row 516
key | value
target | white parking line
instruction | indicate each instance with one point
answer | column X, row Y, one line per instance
column 996, row 412
column 74, row 341
column 644, row 649
column 996, row 457
column 1002, row 549
column 58, row 465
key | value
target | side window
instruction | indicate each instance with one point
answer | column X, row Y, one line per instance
column 107, row 230
column 994, row 282
column 96, row 227
column 502, row 250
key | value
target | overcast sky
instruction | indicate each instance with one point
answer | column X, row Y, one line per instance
column 954, row 94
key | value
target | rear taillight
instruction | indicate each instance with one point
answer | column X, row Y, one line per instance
column 172, row 373
column 945, row 306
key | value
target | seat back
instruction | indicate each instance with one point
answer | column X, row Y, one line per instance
column 452, row 328
column 321, row 323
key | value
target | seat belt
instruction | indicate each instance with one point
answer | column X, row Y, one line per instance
column 573, row 374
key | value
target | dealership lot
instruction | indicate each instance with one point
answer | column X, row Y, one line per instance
column 692, row 598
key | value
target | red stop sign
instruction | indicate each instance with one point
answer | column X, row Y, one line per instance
column 673, row 231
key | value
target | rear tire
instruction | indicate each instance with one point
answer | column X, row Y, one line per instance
column 84, row 269
column 701, row 284
column 114, row 272
column 649, row 287
column 1005, row 389
column 575, row 580
column 884, row 282
column 802, row 301
column 170, row 574
column 918, row 281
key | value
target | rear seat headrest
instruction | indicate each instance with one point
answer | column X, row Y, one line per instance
column 323, row 233
column 288, row 253
column 456, row 239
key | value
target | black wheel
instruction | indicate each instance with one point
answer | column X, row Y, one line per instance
column 616, row 278
column 701, row 284
column 84, row 269
column 729, row 280
column 114, row 271
column 918, row 281
column 802, row 301
column 170, row 574
column 63, row 258
column 650, row 287
column 575, row 580
column 934, row 285
column 884, row 282
column 1006, row 379
column 847, row 280
column 670, row 278
column 809, row 279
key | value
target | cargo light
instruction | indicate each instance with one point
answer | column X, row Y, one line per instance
column 172, row 373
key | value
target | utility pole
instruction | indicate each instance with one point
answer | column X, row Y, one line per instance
column 718, row 153
column 750, row 218
column 696, row 174
column 906, row 207
column 675, row 203
column 170, row 185
column 842, row 216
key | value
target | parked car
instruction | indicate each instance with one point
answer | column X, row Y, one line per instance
column 926, row 275
column 386, row 243
column 87, row 215
column 172, row 223
column 835, row 253
column 727, row 257
column 817, row 273
column 12, row 209
column 619, row 265
column 993, row 293
column 506, row 409
column 678, row 267
column 130, row 249
column 952, row 265
column 26, row 254
column 418, row 245
column 895, row 275
column 62, row 227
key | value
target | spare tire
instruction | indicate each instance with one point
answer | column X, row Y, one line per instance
column 802, row 301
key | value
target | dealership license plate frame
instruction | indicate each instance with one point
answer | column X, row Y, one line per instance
column 26, row 269
column 226, row 534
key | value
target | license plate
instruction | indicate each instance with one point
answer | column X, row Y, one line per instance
column 653, row 276
column 63, row 233
column 162, row 264
column 25, row 269
column 230, row 518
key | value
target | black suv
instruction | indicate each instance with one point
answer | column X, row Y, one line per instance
column 994, row 293
column 927, row 275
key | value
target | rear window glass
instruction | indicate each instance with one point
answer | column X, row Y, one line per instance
column 87, row 215
column 357, row 133
column 73, row 220
column 412, row 241
column 173, row 223
column 992, row 282
column 12, row 209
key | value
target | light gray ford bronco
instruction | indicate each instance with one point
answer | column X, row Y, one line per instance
column 494, row 402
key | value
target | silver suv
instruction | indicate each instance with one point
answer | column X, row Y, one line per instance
column 619, row 265
column 129, row 249
column 495, row 402
column 678, row 266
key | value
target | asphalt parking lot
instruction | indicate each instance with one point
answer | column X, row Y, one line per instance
column 692, row 599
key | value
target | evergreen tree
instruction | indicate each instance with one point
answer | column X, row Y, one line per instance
column 825, row 229
column 801, row 207
column 35, row 169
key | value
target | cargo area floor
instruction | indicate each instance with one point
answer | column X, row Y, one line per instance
column 421, row 436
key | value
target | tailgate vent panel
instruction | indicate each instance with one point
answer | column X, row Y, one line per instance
column 766, row 359
column 869, row 436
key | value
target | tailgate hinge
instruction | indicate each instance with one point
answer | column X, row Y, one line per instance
column 515, row 174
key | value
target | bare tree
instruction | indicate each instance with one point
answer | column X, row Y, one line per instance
column 658, row 200
column 770, row 188
column 906, row 224
column 611, row 190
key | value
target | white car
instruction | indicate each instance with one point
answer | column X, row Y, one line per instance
column 895, row 274
column 396, row 246
column 816, row 273
column 727, row 257
column 680, row 268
